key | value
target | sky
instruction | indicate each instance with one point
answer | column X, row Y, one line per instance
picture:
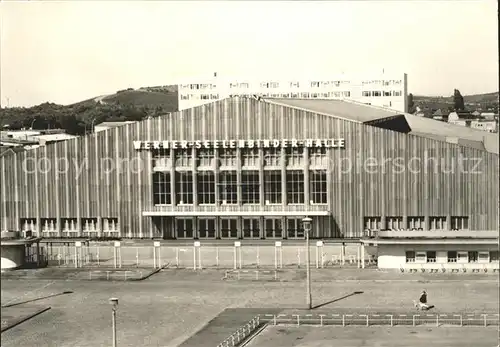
column 69, row 51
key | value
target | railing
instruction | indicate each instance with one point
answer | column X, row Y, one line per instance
column 241, row 334
column 485, row 320
column 207, row 257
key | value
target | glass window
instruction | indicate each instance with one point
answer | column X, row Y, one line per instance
column 206, row 187
column 228, row 157
column 205, row 157
column 250, row 187
column 272, row 187
column 431, row 256
column 394, row 223
column 415, row 223
column 228, row 191
column 473, row 257
column 318, row 187
column 250, row 157
column 272, row 157
column 410, row 256
column 437, row 223
column 295, row 187
column 162, row 194
column 184, row 228
column 183, row 157
column 294, row 156
column 184, row 187
column 206, row 228
column 452, row 257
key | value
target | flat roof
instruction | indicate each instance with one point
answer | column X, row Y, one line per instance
column 420, row 126
column 432, row 241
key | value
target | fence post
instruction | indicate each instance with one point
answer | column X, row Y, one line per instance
column 274, row 319
column 485, row 320
column 239, row 258
column 177, row 257
column 137, row 257
column 298, row 320
column 107, row 275
column 367, row 321
column 154, row 256
column 258, row 256
column 298, row 257
column 194, row 257
column 217, row 257
column 97, row 256
column 413, row 320
column 461, row 321
column 321, row 319
column 437, row 320
column 125, row 275
column 392, row 323
column 343, row 320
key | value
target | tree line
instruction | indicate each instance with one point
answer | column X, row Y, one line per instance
column 76, row 119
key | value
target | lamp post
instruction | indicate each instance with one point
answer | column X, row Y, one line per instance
column 306, row 222
column 114, row 305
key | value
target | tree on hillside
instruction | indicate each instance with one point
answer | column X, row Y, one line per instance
column 411, row 103
column 458, row 100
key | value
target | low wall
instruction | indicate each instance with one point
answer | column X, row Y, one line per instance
column 12, row 257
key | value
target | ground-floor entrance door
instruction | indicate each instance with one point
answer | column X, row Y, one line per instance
column 294, row 228
column 184, row 228
column 228, row 228
column 207, row 228
column 274, row 228
column 251, row 228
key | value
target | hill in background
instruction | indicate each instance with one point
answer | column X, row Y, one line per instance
column 138, row 104
column 79, row 118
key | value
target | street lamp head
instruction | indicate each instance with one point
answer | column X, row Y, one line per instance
column 114, row 302
column 306, row 222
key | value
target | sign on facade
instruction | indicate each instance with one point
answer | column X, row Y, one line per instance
column 197, row 244
column 117, row 243
column 156, row 244
column 237, row 244
column 78, row 244
column 319, row 243
column 274, row 143
column 278, row 244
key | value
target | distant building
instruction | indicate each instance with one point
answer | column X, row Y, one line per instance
column 440, row 115
column 383, row 90
column 109, row 125
column 29, row 139
column 475, row 121
column 485, row 125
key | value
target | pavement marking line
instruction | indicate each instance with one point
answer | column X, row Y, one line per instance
column 32, row 291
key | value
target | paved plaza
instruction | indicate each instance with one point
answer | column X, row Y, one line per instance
column 171, row 306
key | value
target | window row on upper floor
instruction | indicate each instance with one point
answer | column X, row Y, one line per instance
column 249, row 157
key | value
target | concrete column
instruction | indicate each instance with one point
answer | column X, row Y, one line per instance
column 196, row 229
column 238, row 176
column 261, row 177
column 283, row 178
column 215, row 166
column 195, row 180
column 172, row 176
column 306, row 178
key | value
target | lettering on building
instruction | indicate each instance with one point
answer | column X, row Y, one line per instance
column 274, row 143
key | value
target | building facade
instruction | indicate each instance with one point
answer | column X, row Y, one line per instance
column 247, row 168
column 383, row 90
column 428, row 251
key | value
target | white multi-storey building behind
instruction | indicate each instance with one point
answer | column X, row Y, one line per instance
column 384, row 90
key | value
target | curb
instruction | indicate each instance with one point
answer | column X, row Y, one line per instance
column 24, row 319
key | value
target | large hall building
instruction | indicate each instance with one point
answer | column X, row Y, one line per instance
column 251, row 168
